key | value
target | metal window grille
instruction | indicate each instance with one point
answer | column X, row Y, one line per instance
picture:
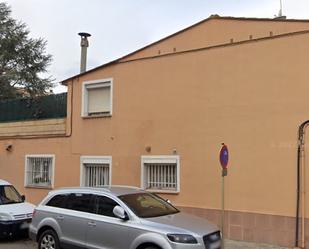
column 39, row 171
column 161, row 176
column 96, row 174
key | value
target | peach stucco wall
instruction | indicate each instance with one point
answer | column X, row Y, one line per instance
column 215, row 31
column 251, row 96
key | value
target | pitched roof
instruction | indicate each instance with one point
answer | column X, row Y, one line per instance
column 211, row 17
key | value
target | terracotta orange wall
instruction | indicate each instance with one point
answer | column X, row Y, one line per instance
column 12, row 164
column 252, row 97
column 215, row 31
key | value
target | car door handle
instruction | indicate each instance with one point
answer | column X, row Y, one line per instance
column 92, row 223
column 60, row 217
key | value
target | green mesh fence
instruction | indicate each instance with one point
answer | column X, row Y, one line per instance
column 42, row 107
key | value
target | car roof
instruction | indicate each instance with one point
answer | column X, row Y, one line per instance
column 110, row 190
column 3, row 182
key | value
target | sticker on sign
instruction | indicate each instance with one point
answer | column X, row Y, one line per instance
column 224, row 156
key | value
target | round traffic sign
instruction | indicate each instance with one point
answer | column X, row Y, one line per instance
column 224, row 156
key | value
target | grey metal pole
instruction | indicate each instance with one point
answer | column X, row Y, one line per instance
column 222, row 211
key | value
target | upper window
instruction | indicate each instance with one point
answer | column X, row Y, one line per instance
column 95, row 171
column 97, row 98
column 160, row 173
column 39, row 170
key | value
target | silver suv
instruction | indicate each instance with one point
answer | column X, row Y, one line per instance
column 117, row 218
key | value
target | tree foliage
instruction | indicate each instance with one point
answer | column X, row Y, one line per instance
column 23, row 60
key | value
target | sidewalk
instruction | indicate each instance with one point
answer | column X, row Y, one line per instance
column 233, row 244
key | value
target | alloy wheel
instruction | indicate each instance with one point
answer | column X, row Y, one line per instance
column 48, row 242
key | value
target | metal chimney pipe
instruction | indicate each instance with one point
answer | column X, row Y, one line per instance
column 84, row 45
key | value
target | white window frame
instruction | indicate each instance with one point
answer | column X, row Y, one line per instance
column 94, row 160
column 160, row 159
column 53, row 157
column 108, row 82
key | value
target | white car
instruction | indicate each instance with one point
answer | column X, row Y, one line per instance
column 15, row 213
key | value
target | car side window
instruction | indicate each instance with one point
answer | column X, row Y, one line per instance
column 58, row 201
column 81, row 202
column 105, row 206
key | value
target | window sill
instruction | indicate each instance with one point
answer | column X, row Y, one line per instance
column 98, row 116
column 162, row 191
column 39, row 187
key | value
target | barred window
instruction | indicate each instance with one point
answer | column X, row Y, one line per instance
column 96, row 171
column 160, row 173
column 39, row 170
column 96, row 175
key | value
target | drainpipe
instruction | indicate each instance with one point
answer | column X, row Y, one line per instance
column 301, row 184
column 84, row 45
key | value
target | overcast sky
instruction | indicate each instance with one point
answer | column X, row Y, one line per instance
column 119, row 27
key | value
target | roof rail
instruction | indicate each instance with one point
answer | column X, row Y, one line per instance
column 79, row 187
column 117, row 186
column 106, row 187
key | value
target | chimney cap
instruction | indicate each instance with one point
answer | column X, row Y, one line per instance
column 84, row 34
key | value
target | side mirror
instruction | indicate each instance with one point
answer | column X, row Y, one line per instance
column 120, row 213
column 23, row 198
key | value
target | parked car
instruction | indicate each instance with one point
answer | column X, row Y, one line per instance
column 15, row 213
column 118, row 218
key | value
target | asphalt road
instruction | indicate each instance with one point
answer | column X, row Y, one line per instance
column 17, row 244
column 230, row 244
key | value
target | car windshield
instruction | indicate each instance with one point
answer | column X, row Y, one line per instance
column 9, row 195
column 146, row 205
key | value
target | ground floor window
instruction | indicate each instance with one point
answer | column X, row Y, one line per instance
column 160, row 173
column 39, row 170
column 96, row 171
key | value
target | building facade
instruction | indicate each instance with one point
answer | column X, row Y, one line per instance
column 156, row 118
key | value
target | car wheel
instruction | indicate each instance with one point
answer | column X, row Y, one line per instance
column 49, row 240
column 151, row 247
